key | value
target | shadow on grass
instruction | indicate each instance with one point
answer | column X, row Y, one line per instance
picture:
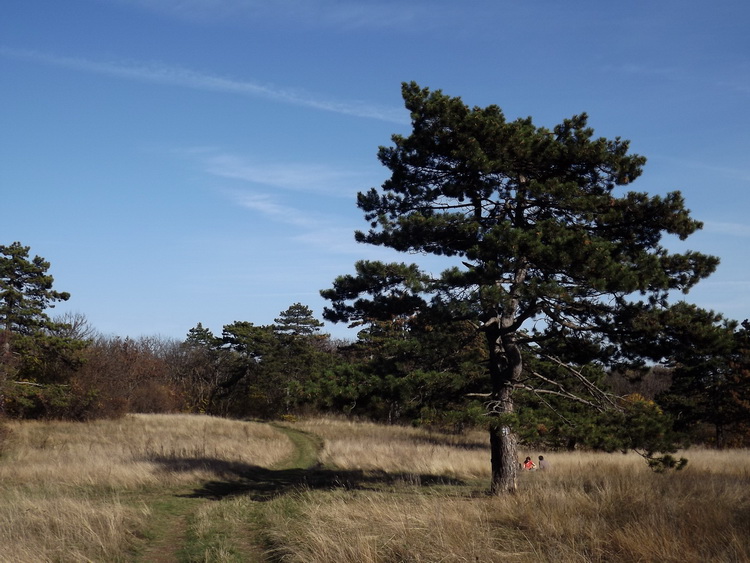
column 261, row 484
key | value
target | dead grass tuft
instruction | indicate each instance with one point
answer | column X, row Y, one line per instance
column 64, row 528
column 379, row 527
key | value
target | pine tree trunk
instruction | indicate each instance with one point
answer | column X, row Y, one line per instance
column 503, row 449
column 505, row 364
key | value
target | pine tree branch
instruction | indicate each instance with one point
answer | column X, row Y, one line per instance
column 561, row 392
column 553, row 409
column 595, row 392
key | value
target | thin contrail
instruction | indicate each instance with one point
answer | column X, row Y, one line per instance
column 186, row 78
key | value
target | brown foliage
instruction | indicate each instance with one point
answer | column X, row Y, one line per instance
column 129, row 375
column 646, row 383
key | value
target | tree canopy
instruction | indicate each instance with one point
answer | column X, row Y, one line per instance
column 549, row 258
column 25, row 290
column 34, row 349
column 297, row 320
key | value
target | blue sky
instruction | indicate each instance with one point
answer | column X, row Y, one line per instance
column 186, row 161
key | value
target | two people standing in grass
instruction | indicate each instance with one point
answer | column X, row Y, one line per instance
column 529, row 465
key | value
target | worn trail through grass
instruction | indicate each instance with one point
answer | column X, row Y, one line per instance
column 194, row 524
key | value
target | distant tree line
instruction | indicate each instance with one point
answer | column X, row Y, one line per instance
column 403, row 371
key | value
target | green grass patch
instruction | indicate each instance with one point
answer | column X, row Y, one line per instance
column 307, row 448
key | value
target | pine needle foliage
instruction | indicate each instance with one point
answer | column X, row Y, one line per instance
column 551, row 257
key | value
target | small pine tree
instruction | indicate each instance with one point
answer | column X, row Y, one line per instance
column 297, row 320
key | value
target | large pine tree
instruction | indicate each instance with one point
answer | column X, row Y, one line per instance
column 551, row 260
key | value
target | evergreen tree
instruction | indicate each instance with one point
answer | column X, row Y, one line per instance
column 25, row 292
column 419, row 372
column 35, row 352
column 199, row 367
column 245, row 388
column 201, row 336
column 711, row 377
column 543, row 249
column 297, row 320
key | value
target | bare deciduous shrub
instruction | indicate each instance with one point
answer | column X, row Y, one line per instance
column 129, row 375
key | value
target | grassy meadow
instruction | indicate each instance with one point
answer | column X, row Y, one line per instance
column 157, row 488
column 88, row 491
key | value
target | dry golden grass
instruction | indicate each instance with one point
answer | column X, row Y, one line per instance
column 65, row 527
column 68, row 492
column 614, row 516
column 373, row 527
column 375, row 447
column 587, row 507
column 616, row 510
column 62, row 484
column 139, row 450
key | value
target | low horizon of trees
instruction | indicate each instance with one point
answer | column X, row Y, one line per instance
column 392, row 373
column 408, row 370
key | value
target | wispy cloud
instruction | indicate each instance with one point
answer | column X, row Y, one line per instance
column 730, row 229
column 280, row 192
column 741, row 174
column 337, row 240
column 647, row 70
column 319, row 232
column 389, row 15
column 722, row 75
column 287, row 175
column 267, row 205
column 327, row 233
column 375, row 14
column 186, row 78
